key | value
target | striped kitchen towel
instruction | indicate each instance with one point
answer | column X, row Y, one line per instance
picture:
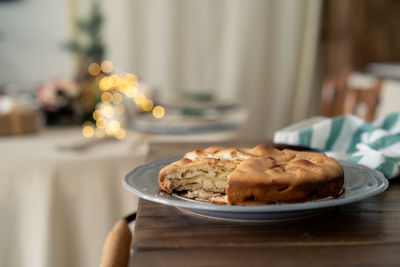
column 375, row 145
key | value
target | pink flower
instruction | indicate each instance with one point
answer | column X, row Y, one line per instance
column 57, row 93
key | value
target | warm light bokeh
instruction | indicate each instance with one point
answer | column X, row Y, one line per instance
column 158, row 112
column 114, row 125
column 110, row 109
column 120, row 133
column 131, row 91
column 106, row 97
column 139, row 98
column 107, row 111
column 100, row 123
column 106, row 66
column 94, row 69
column 147, row 105
column 117, row 98
column 105, row 83
column 88, row 131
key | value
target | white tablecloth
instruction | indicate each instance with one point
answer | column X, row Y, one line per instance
column 58, row 205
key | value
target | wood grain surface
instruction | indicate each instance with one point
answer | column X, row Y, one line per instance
column 366, row 233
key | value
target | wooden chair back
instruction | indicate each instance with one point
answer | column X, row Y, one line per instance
column 351, row 93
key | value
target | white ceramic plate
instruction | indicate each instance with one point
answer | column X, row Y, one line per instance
column 360, row 183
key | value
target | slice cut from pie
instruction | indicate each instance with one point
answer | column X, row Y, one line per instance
column 260, row 175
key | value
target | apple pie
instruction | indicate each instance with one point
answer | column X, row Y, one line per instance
column 253, row 176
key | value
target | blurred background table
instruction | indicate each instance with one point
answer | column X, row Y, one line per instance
column 359, row 234
column 60, row 194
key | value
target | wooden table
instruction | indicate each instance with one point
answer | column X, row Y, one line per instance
column 359, row 234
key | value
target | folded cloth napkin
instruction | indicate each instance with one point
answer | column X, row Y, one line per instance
column 375, row 145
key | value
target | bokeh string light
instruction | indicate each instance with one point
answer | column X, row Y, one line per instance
column 109, row 113
column 106, row 66
column 88, row 129
column 94, row 69
column 158, row 112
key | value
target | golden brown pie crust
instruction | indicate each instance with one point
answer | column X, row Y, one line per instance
column 260, row 175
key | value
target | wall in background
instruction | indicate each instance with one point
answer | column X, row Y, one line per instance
column 32, row 32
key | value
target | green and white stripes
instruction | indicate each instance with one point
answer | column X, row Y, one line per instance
column 376, row 144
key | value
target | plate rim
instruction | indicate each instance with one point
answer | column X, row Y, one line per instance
column 381, row 182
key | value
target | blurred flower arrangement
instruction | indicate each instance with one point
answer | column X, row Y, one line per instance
column 58, row 99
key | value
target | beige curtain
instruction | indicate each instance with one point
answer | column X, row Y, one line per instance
column 261, row 52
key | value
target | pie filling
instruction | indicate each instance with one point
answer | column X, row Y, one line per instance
column 204, row 184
